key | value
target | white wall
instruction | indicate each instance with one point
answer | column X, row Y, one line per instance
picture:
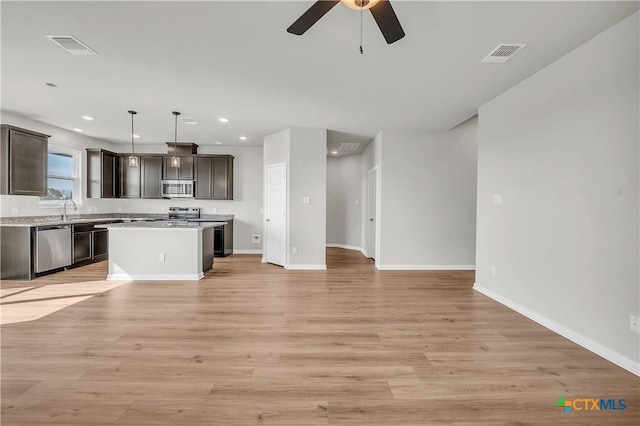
column 344, row 190
column 562, row 148
column 305, row 151
column 307, row 178
column 428, row 199
column 28, row 205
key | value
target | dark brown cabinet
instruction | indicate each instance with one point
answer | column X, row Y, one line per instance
column 23, row 161
column 184, row 172
column 151, row 176
column 89, row 244
column 102, row 174
column 223, row 240
column 129, row 178
column 214, row 177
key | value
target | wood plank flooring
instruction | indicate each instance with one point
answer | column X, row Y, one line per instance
column 255, row 344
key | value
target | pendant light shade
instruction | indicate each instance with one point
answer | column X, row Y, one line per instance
column 175, row 160
column 134, row 161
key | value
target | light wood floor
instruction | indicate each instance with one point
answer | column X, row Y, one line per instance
column 255, row 344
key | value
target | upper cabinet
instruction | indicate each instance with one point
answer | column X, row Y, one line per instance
column 214, row 177
column 102, row 174
column 23, row 161
column 151, row 176
column 129, row 178
column 185, row 171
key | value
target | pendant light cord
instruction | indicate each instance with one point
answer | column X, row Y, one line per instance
column 133, row 151
column 361, row 13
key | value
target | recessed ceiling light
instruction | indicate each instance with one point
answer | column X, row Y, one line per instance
column 75, row 129
column 223, row 120
column 51, row 84
column 87, row 117
column 136, row 136
column 243, row 138
column 218, row 143
column 334, row 152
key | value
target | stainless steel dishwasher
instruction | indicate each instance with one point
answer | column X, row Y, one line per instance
column 53, row 247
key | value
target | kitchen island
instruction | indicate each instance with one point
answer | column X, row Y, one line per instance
column 173, row 250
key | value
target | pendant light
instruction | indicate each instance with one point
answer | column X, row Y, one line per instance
column 175, row 160
column 134, row 161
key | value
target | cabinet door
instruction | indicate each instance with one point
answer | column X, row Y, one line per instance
column 129, row 179
column 220, row 178
column 151, row 176
column 109, row 175
column 100, row 244
column 27, row 164
column 185, row 171
column 218, row 242
column 81, row 246
column 204, row 178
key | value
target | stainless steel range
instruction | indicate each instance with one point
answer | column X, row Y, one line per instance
column 183, row 213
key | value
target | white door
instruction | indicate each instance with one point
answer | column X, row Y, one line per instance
column 371, row 212
column 276, row 214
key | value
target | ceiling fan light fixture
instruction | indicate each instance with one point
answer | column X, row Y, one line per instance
column 360, row 4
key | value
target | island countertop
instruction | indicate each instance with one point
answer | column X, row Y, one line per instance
column 177, row 224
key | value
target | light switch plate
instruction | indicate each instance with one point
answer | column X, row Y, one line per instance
column 496, row 198
column 306, row 200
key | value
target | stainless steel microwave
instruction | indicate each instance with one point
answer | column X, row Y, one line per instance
column 178, row 188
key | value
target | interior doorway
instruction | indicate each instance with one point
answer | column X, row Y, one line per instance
column 371, row 212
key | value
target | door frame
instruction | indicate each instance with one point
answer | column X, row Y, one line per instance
column 371, row 246
column 265, row 242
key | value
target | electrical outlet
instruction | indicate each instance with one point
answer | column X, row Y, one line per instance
column 295, row 250
column 634, row 323
column 161, row 257
column 357, row 202
column 255, row 239
column 306, row 200
column 162, row 209
column 214, row 210
column 119, row 209
column 14, row 210
column 493, row 271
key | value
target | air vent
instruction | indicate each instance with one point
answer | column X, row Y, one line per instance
column 503, row 52
column 349, row 147
column 72, row 44
column 188, row 120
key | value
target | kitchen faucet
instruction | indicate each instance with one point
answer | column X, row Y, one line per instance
column 64, row 208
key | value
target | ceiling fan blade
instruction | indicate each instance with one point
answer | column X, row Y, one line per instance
column 387, row 21
column 311, row 16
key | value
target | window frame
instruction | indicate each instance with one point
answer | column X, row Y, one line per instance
column 76, row 155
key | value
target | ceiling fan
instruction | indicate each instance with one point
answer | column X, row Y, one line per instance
column 381, row 10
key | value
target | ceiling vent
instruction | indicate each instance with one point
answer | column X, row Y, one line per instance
column 349, row 147
column 503, row 52
column 188, row 120
column 72, row 44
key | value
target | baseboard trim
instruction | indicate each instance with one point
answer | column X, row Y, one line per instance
column 307, row 267
column 235, row 251
column 593, row 346
column 426, row 267
column 155, row 277
column 344, row 246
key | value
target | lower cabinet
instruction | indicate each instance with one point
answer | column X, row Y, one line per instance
column 89, row 244
column 223, row 240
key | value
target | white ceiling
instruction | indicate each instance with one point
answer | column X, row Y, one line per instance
column 235, row 59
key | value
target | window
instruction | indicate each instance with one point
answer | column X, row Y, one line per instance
column 63, row 179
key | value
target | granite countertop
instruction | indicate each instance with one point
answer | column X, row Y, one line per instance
column 177, row 224
column 33, row 221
